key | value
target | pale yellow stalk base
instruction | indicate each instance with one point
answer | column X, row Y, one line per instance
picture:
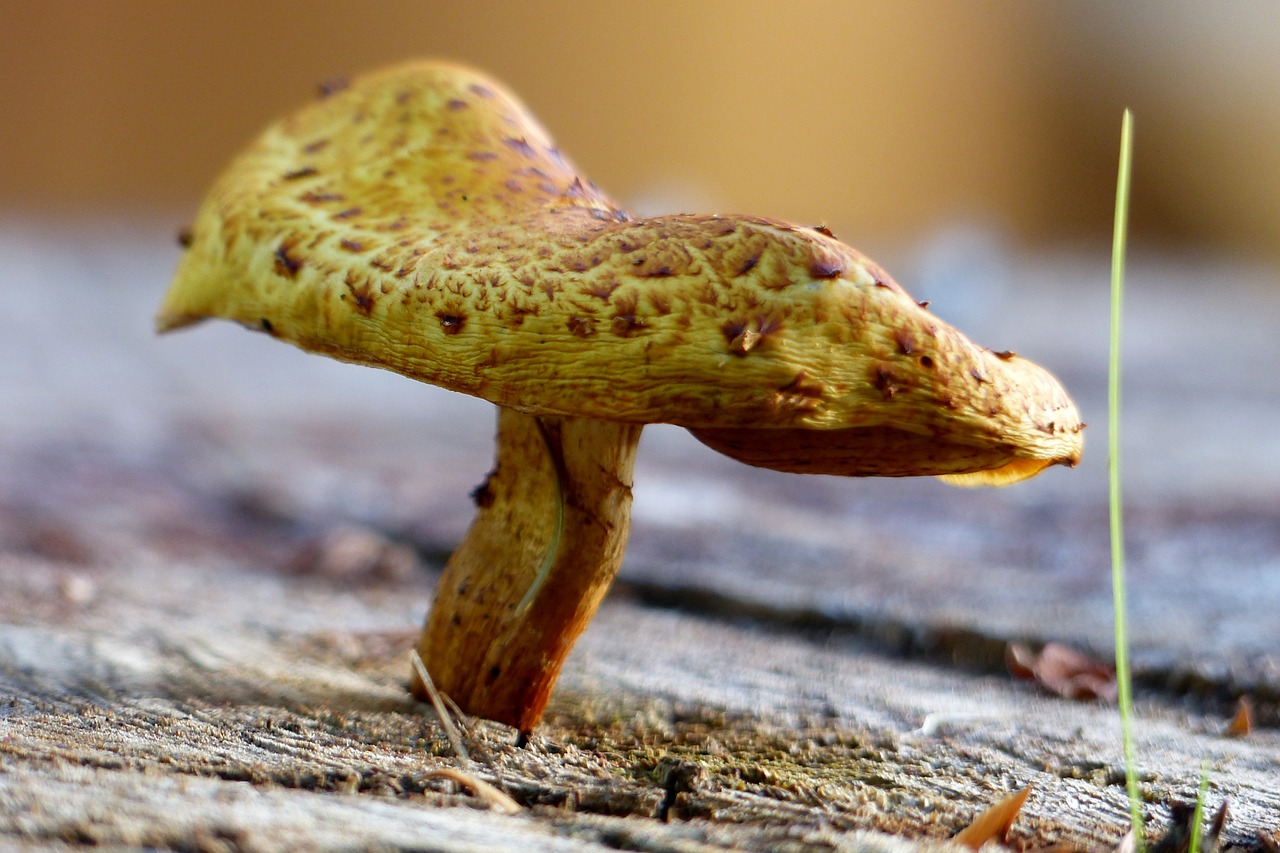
column 546, row 544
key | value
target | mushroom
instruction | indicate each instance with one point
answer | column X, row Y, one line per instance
column 420, row 220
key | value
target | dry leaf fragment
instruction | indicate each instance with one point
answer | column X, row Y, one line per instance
column 1062, row 670
column 1177, row 838
column 1242, row 723
column 994, row 823
column 1216, row 826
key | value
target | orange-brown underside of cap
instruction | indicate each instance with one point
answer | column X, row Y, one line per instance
column 872, row 452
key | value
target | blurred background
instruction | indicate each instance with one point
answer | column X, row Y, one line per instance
column 969, row 147
column 886, row 120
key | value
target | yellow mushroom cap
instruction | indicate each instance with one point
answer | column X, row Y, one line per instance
column 420, row 220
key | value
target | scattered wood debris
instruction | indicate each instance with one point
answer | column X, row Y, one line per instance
column 490, row 795
column 1064, row 671
column 1242, row 723
column 446, row 719
column 1177, row 838
column 994, row 823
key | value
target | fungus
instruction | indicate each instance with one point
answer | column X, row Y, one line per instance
column 421, row 221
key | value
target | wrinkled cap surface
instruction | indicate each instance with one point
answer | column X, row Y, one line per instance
column 420, row 220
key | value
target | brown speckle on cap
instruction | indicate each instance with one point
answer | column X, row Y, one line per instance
column 362, row 292
column 332, row 86
column 741, row 339
column 885, row 381
column 626, row 325
column 602, row 289
column 582, row 327
column 451, row 323
column 287, row 263
column 521, row 145
column 312, row 197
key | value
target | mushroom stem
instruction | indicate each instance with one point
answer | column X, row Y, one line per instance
column 545, row 545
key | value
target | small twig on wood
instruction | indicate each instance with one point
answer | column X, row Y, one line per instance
column 492, row 796
column 459, row 716
column 446, row 719
column 935, row 722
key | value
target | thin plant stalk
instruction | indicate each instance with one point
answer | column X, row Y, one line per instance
column 1124, row 680
column 1197, row 820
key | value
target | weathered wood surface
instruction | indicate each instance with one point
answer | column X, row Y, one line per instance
column 215, row 552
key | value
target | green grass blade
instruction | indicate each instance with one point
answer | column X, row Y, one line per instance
column 1123, row 679
column 1198, row 818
